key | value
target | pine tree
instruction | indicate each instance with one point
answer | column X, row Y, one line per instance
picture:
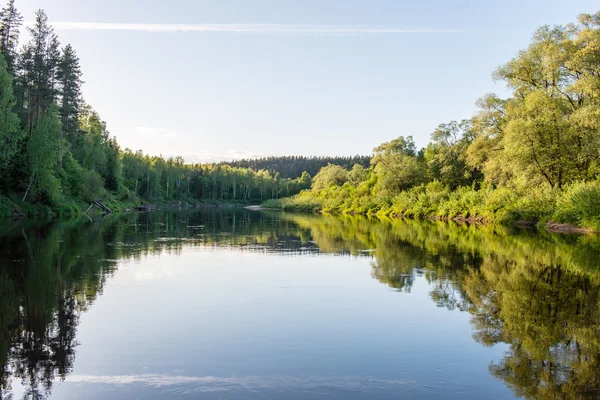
column 38, row 69
column 69, row 79
column 10, row 22
column 10, row 132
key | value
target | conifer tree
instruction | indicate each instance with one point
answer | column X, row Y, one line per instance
column 39, row 66
column 69, row 79
column 10, row 22
column 10, row 132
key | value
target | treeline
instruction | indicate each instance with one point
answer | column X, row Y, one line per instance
column 56, row 152
column 153, row 177
column 530, row 157
column 293, row 166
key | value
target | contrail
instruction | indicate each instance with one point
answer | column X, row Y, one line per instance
column 271, row 29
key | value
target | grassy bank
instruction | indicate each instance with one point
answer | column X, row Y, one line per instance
column 577, row 204
column 12, row 207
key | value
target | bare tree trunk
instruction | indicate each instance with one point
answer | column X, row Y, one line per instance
column 29, row 186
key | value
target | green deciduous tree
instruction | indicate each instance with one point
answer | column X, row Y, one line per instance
column 397, row 167
column 330, row 175
column 446, row 154
column 43, row 156
column 547, row 133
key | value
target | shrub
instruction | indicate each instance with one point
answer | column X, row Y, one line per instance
column 579, row 204
column 91, row 185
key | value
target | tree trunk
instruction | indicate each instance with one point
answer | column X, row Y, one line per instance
column 29, row 186
column 60, row 154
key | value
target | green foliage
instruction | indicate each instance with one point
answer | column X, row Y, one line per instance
column 10, row 131
column 7, row 207
column 69, row 76
column 548, row 132
column 400, row 145
column 92, row 186
column 530, row 158
column 60, row 154
column 293, row 167
column 43, row 152
column 446, row 155
column 397, row 172
column 357, row 174
column 10, row 22
column 580, row 204
column 330, row 175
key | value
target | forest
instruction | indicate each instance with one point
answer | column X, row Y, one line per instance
column 57, row 154
column 529, row 158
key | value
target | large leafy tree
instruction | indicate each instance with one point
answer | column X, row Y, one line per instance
column 488, row 127
column 446, row 154
column 548, row 132
column 397, row 166
column 330, row 175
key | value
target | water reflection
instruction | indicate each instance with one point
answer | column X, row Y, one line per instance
column 538, row 293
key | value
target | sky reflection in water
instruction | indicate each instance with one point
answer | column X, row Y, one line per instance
column 237, row 304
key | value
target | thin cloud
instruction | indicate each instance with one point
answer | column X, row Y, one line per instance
column 271, row 29
column 155, row 132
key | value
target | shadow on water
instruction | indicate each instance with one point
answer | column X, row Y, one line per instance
column 538, row 293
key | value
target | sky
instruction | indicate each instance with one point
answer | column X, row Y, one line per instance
column 220, row 79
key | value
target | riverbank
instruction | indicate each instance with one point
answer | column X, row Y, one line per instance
column 11, row 207
column 574, row 209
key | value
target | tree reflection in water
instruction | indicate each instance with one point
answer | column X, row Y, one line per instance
column 536, row 292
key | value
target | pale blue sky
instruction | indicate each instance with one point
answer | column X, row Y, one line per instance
column 214, row 79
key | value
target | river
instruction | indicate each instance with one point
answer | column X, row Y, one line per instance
column 242, row 304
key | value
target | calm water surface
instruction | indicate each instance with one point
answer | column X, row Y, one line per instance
column 259, row 305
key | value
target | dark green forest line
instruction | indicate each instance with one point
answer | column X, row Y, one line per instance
column 294, row 166
column 531, row 157
column 57, row 155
